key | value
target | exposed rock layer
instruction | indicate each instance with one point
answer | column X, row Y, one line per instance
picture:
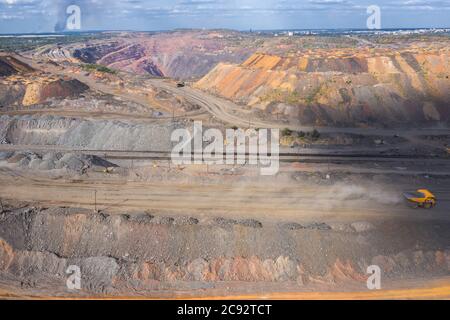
column 341, row 88
column 79, row 133
column 178, row 54
column 9, row 66
column 142, row 252
column 36, row 93
column 21, row 85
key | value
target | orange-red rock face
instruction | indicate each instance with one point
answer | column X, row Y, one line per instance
column 20, row 84
column 40, row 92
column 341, row 87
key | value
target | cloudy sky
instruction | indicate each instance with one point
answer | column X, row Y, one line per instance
column 20, row 16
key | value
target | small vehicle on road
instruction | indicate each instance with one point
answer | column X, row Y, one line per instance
column 421, row 198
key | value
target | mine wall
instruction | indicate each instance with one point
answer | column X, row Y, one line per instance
column 118, row 254
column 80, row 133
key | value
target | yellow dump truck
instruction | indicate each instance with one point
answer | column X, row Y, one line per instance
column 421, row 198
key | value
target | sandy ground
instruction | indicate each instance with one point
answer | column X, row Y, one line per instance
column 438, row 288
column 231, row 196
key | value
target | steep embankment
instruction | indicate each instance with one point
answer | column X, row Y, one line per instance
column 367, row 86
column 78, row 133
column 21, row 85
column 131, row 254
column 178, row 55
column 39, row 92
column 22, row 92
column 9, row 66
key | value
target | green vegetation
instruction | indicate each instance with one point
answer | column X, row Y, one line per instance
column 286, row 132
column 283, row 96
column 301, row 135
column 19, row 43
column 289, row 137
column 274, row 95
column 406, row 38
column 97, row 67
column 312, row 97
column 293, row 97
column 315, row 135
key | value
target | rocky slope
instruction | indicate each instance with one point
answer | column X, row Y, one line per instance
column 341, row 87
column 23, row 92
column 181, row 54
column 9, row 66
column 72, row 162
column 21, row 85
column 39, row 92
column 79, row 133
column 139, row 253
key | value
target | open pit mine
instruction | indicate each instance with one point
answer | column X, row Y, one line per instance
column 88, row 185
column 341, row 87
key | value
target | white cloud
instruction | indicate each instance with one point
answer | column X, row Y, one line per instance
column 157, row 14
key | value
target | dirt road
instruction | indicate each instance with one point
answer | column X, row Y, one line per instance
column 429, row 292
column 438, row 289
column 232, row 114
column 271, row 202
column 221, row 109
column 141, row 99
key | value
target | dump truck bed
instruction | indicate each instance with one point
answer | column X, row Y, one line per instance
column 413, row 195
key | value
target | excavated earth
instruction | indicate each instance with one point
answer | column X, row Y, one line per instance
column 84, row 133
column 307, row 80
column 179, row 54
column 160, row 253
column 10, row 66
column 21, row 85
column 144, row 253
column 410, row 85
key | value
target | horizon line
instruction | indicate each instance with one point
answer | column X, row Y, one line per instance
column 74, row 32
